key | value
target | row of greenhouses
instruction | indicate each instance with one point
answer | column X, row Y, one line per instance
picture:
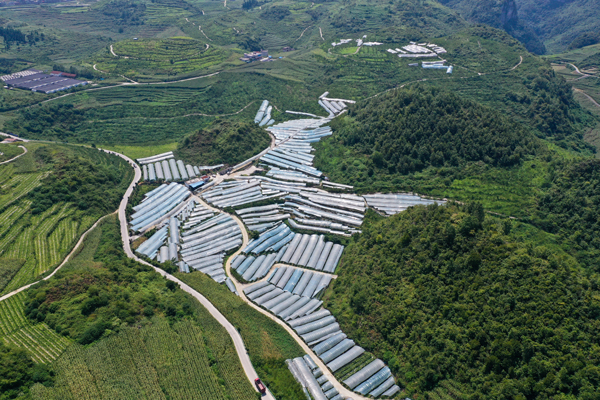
column 158, row 205
column 164, row 167
column 394, row 203
column 284, row 295
column 314, row 383
column 374, row 380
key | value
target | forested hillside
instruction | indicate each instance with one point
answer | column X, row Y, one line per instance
column 224, row 142
column 459, row 307
column 541, row 25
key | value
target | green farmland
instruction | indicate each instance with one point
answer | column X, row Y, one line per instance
column 36, row 236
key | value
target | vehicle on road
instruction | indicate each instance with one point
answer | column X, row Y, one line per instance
column 259, row 385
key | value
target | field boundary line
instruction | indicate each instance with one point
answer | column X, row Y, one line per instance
column 65, row 260
column 14, row 158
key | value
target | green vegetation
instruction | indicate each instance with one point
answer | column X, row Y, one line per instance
column 268, row 344
column 48, row 198
column 18, row 372
column 160, row 342
column 9, row 151
column 148, row 59
column 87, row 304
column 224, row 142
column 186, row 360
column 456, row 304
column 540, row 24
column 42, row 343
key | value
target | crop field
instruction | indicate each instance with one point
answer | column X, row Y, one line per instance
column 33, row 243
column 43, row 240
column 269, row 345
column 43, row 344
column 164, row 58
column 9, row 151
column 157, row 361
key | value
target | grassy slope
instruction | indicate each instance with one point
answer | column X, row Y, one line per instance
column 192, row 357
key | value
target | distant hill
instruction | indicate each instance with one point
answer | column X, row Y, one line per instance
column 542, row 25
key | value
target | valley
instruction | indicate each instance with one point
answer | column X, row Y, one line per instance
column 345, row 200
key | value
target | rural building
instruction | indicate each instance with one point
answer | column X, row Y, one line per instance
column 38, row 81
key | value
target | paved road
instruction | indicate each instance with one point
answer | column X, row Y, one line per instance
column 235, row 335
column 239, row 286
column 14, row 158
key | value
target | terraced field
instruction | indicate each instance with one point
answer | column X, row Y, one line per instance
column 162, row 58
column 158, row 361
column 33, row 242
column 43, row 344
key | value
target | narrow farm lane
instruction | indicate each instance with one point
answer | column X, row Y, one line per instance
column 14, row 158
column 238, row 342
column 240, row 288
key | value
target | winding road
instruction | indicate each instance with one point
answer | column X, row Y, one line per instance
column 238, row 342
column 14, row 158
column 240, row 288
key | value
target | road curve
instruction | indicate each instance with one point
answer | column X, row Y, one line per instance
column 14, row 158
column 67, row 258
column 238, row 342
column 240, row 288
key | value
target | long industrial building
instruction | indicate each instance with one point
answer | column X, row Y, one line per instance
column 38, row 81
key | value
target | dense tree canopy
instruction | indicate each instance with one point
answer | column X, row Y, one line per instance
column 571, row 208
column 449, row 299
column 224, row 142
column 76, row 180
column 18, row 372
column 409, row 130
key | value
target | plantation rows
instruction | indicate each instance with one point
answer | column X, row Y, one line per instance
column 12, row 316
column 43, row 240
column 43, row 344
column 18, row 186
column 155, row 362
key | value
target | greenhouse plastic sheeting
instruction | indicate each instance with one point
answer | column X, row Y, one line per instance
column 302, row 283
column 300, row 249
column 374, row 381
column 277, row 275
column 291, row 284
column 260, row 292
column 383, row 387
column 323, row 257
column 392, row 391
column 276, row 300
column 319, row 333
column 312, row 305
column 255, row 287
column 166, row 170
column 311, row 382
column 314, row 257
column 364, row 374
column 268, row 296
column 276, row 309
column 264, row 267
column 253, row 268
column 291, row 249
column 334, row 257
column 313, row 326
column 329, row 343
column 337, row 350
column 345, row 358
column 312, row 243
column 285, row 278
column 245, row 264
column 311, row 286
column 309, row 318
column 310, row 362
